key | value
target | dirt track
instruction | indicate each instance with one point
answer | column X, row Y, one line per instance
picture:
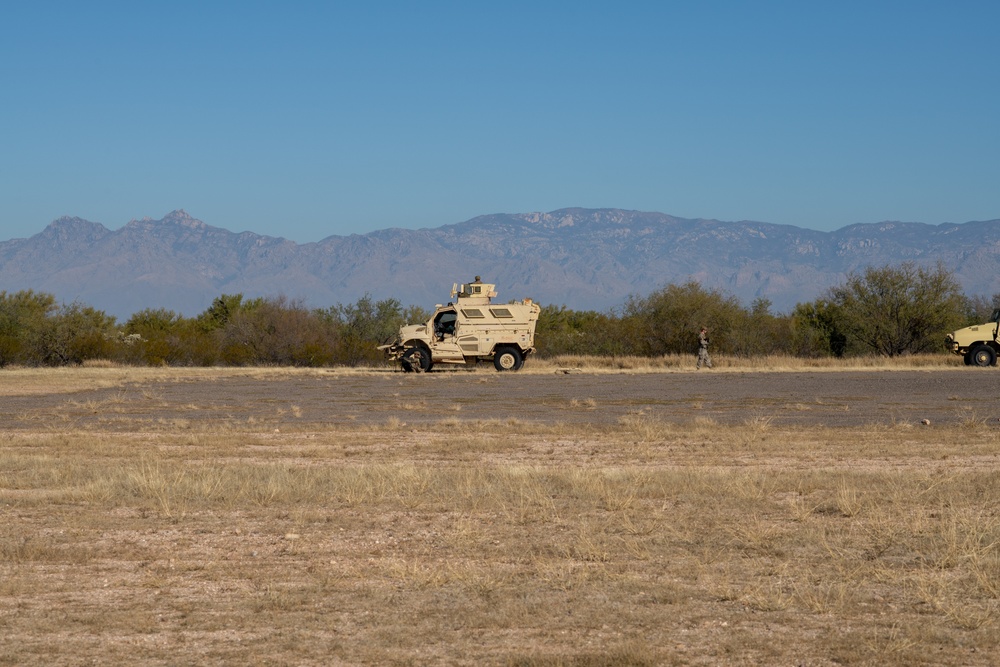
column 842, row 398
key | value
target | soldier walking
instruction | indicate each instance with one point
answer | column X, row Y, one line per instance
column 703, row 357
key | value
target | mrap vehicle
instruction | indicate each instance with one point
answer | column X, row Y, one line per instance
column 469, row 329
column 978, row 344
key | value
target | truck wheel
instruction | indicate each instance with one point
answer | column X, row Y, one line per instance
column 967, row 358
column 416, row 360
column 983, row 355
column 508, row 359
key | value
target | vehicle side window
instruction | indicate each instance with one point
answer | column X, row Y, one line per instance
column 444, row 324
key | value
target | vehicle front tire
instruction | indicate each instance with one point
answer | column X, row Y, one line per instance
column 983, row 355
column 508, row 359
column 416, row 360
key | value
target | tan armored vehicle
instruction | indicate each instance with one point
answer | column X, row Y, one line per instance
column 469, row 329
column 977, row 344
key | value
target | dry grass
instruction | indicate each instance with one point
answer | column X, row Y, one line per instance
column 722, row 362
column 644, row 542
column 94, row 375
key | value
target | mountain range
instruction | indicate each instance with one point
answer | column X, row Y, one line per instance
column 585, row 259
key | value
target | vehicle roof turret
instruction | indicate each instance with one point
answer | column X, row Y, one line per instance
column 476, row 292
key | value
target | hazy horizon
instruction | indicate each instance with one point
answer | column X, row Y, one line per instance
column 116, row 227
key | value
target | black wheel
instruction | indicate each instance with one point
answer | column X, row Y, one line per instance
column 983, row 355
column 416, row 360
column 967, row 358
column 508, row 359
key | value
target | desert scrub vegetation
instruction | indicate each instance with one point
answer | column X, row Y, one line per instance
column 640, row 542
column 887, row 312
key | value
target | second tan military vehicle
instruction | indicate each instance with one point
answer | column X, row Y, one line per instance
column 977, row 344
column 469, row 329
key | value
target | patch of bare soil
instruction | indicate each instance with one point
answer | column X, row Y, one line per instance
column 474, row 518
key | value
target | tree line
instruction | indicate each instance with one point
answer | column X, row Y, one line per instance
column 890, row 311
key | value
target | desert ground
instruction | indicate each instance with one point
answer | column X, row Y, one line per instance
column 554, row 516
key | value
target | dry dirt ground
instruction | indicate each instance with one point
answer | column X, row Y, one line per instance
column 179, row 517
column 323, row 398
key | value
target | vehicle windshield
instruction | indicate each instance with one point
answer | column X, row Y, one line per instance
column 995, row 317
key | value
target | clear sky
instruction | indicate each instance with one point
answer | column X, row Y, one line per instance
column 307, row 119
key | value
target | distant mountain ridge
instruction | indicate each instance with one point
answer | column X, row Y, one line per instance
column 581, row 258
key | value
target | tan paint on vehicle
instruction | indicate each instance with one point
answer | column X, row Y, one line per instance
column 469, row 329
column 977, row 344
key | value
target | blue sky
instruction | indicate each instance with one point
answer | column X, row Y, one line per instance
column 307, row 119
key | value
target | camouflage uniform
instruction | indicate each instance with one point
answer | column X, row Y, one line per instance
column 703, row 357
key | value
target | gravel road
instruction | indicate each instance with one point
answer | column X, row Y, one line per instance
column 830, row 398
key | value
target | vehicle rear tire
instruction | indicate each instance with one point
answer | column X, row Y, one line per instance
column 983, row 355
column 416, row 360
column 508, row 359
